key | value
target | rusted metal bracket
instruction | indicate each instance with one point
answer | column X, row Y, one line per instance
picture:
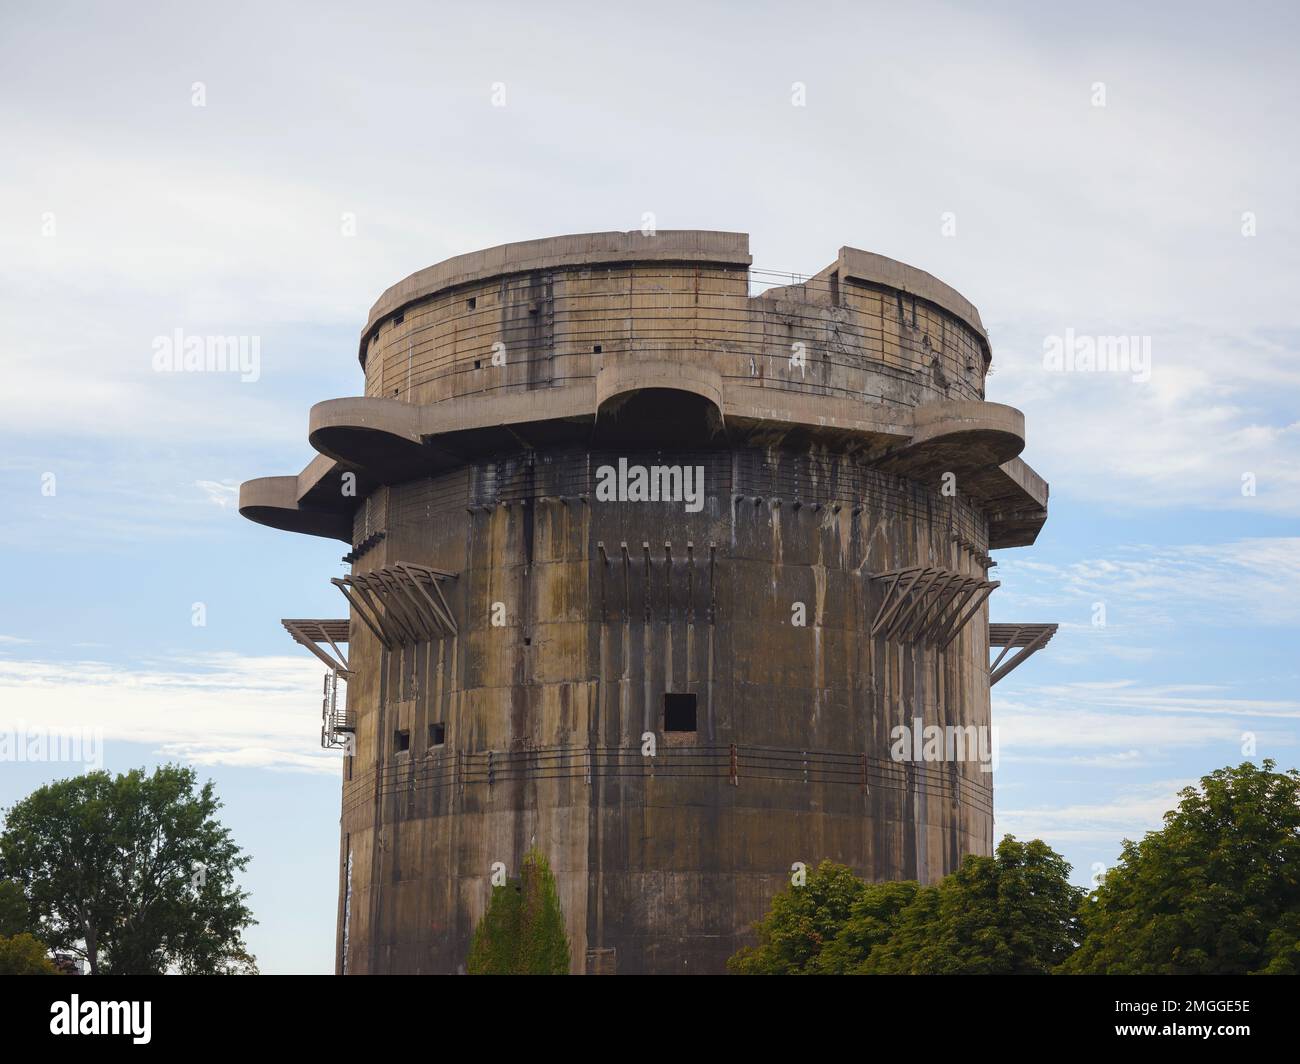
column 926, row 604
column 402, row 604
column 1029, row 639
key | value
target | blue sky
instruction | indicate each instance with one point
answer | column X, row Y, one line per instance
column 127, row 212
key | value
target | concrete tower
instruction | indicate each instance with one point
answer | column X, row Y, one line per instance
column 648, row 571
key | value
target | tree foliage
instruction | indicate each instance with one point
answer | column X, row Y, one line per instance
column 132, row 872
column 24, row 955
column 802, row 921
column 1014, row 912
column 15, row 914
column 522, row 932
column 1011, row 914
column 1215, row 891
column 872, row 921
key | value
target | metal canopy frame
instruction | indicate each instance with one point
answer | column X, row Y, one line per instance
column 312, row 632
column 1029, row 639
column 402, row 603
column 926, row 604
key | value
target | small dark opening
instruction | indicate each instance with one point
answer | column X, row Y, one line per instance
column 478, row 363
column 399, row 319
column 679, row 712
column 437, row 734
column 528, row 640
column 596, row 349
column 401, row 741
column 472, row 302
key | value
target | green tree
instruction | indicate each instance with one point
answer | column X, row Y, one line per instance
column 134, row 872
column 1011, row 914
column 1215, row 891
column 803, row 920
column 872, row 920
column 15, row 914
column 522, row 932
column 24, row 955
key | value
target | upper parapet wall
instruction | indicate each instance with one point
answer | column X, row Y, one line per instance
column 871, row 268
column 559, row 252
column 547, row 314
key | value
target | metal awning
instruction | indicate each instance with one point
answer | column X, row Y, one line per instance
column 1029, row 639
column 925, row 604
column 311, row 633
column 402, row 604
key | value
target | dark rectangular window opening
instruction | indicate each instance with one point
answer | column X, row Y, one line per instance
column 596, row 349
column 437, row 734
column 401, row 741
column 679, row 713
column 478, row 363
column 399, row 319
column 471, row 302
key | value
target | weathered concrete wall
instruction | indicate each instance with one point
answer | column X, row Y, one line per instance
column 668, row 860
column 871, row 345
column 842, row 433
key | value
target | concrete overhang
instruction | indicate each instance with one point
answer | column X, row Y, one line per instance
column 377, row 440
column 1014, row 498
column 958, row 437
column 392, row 440
column 317, row 502
column 369, row 433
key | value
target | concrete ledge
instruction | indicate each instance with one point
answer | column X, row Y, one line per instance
column 366, row 432
column 817, row 414
column 273, row 501
column 1030, row 483
column 357, row 411
column 969, row 440
column 1014, row 498
column 997, row 426
column 574, row 401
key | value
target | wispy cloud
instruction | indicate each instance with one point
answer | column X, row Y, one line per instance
column 209, row 709
column 222, row 493
column 1135, row 810
column 1244, row 581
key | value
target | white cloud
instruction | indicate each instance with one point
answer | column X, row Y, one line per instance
column 216, row 708
column 1245, row 581
column 1125, row 725
column 1136, row 810
column 222, row 493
